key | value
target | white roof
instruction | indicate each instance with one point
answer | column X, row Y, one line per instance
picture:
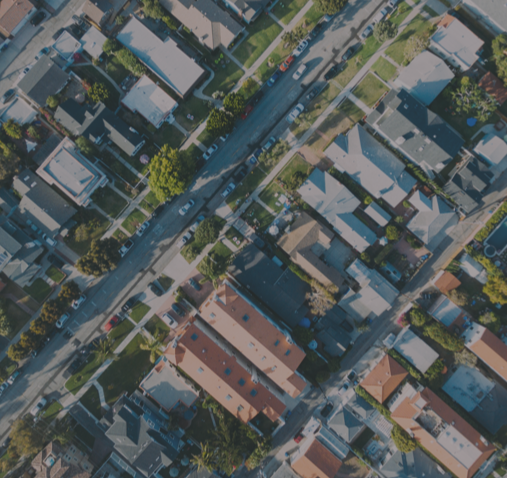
column 415, row 350
column 473, row 268
column 19, row 111
column 66, row 45
column 445, row 310
column 92, row 42
column 458, row 446
column 380, row 216
column 493, row 150
column 425, row 77
column 150, row 101
column 165, row 59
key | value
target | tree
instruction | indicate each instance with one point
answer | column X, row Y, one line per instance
column 295, row 181
column 25, row 440
column 383, row 31
column 329, row 7
column 439, row 334
column 465, row 357
column 13, row 129
column 170, row 172
column 319, row 301
column 130, row 62
column 392, row 233
column 6, row 324
column 86, row 146
column 41, row 327
column 110, row 46
column 170, row 22
column 154, row 347
column 234, row 103
column 104, row 349
column 418, row 317
column 322, row 376
column 206, row 459
column 207, row 231
column 491, row 321
column 32, row 131
column 415, row 45
column 499, row 46
column 399, row 219
column 249, row 85
column 212, row 268
column 261, row 451
column 459, row 297
column 98, row 92
column 62, row 432
column 220, row 122
column 102, row 257
column 365, row 257
column 435, row 371
column 53, row 101
column 120, row 20
column 403, row 441
column 51, row 310
column 228, row 443
column 470, row 98
column 294, row 37
column 153, row 9
column 9, row 162
column 17, row 352
column 29, row 340
column 302, row 335
column 363, row 327
column 69, row 292
column 496, row 289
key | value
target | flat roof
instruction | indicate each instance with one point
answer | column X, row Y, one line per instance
column 446, row 311
column 92, row 42
column 459, row 446
column 66, row 45
column 19, row 111
column 415, row 350
column 380, row 216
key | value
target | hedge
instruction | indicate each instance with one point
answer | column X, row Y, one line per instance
column 383, row 253
column 351, row 185
column 406, row 364
column 381, row 408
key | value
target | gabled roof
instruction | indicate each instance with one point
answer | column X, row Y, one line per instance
column 493, row 150
column 12, row 13
column 493, row 86
column 415, row 464
column 445, row 282
column 345, row 424
column 314, row 460
column 445, row 311
column 473, row 268
column 415, row 350
column 249, row 8
column 384, row 379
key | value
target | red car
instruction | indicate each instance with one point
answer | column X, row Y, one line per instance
column 299, row 435
column 112, row 323
column 285, row 65
column 247, row 111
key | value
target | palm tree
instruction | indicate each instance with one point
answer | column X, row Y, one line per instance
column 104, row 349
column 205, row 459
column 229, row 445
column 153, row 346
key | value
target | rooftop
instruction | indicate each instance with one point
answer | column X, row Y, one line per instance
column 493, row 150
column 66, row 45
column 345, row 424
column 445, row 311
column 415, row 350
column 415, row 464
column 445, row 282
column 92, row 42
column 378, row 214
column 473, row 268
column 19, row 111
column 384, row 378
column 12, row 13
column 314, row 460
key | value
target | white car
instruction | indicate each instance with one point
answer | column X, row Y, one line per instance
column 367, row 32
column 49, row 240
column 78, row 302
column 184, row 240
column 393, row 3
column 126, row 247
column 295, row 113
column 300, row 48
column 37, row 408
column 210, row 151
column 24, row 72
column 379, row 16
column 224, row 138
column 170, row 321
column 186, row 207
column 228, row 190
column 13, row 377
column 198, row 221
column 344, row 388
column 61, row 321
column 270, row 143
column 145, row 225
column 299, row 72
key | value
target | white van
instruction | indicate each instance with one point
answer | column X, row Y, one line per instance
column 61, row 321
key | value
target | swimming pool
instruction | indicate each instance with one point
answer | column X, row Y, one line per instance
column 498, row 238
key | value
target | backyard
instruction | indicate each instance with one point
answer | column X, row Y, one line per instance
column 94, row 75
column 109, row 201
column 286, row 10
column 158, row 328
column 257, row 217
column 56, row 275
column 170, row 135
column 96, row 225
column 384, row 68
column 38, row 290
column 91, row 401
column 370, row 90
column 115, row 69
column 139, row 311
column 133, row 221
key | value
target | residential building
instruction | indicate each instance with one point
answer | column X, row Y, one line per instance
column 50, row 463
column 434, row 220
column 180, row 72
column 212, row 364
column 101, row 12
column 68, row 170
column 384, row 379
column 334, row 340
column 445, row 282
column 455, row 43
column 376, row 294
column 417, row 352
column 421, row 135
column 211, row 24
column 473, row 268
column 494, row 86
column 371, row 165
column 345, row 424
column 8, row 202
column 44, row 79
column 337, row 204
column 261, row 340
column 40, row 206
column 490, row 13
column 92, row 42
column 379, row 215
column 14, row 15
column 304, row 244
column 468, row 182
column 150, row 101
column 415, row 464
column 285, row 471
column 425, row 77
column 247, row 10
column 66, row 46
column 446, row 312
column 314, row 460
column 441, row 431
column 493, row 150
column 97, row 123
column 19, row 111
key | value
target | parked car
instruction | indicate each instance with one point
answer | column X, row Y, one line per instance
column 38, row 350
column 224, row 138
column 58, row 33
column 43, row 52
column 327, row 409
column 61, row 321
column 170, row 321
column 303, row 45
column 194, row 284
column 186, row 207
column 273, row 78
column 332, row 72
column 348, row 53
column 198, row 221
column 24, row 72
column 379, row 16
column 366, row 32
column 13, row 377
column 49, row 240
column 158, row 210
column 316, row 30
column 285, row 65
column 256, row 98
column 4, row 387
column 126, row 247
column 344, row 388
column 257, row 154
column 299, row 72
column 393, row 3
column 56, row 261
column 75, row 365
column 228, row 190
column 6, row 443
column 295, row 113
column 77, row 303
column 240, row 174
column 179, row 310
column 37, row 18
column 38, row 406
column 145, row 225
column 299, row 435
column 313, row 93
column 113, row 322
column 210, row 151
column 155, row 289
column 351, row 376
column 270, row 143
column 7, row 95
column 248, row 110
column 129, row 304
column 184, row 240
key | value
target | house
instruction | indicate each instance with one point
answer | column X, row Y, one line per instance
column 345, row 424
column 378, row 214
column 441, row 431
column 445, row 282
column 150, row 101
column 314, row 460
column 455, row 43
column 336, row 204
column 473, row 268
column 468, row 182
column 446, row 311
column 212, row 25
column 417, row 352
column 304, row 244
column 210, row 362
column 434, row 220
column 168, row 387
column 50, row 462
column 19, row 111
column 14, row 15
column 180, row 72
column 376, row 294
column 66, row 46
column 414, row 130
column 247, row 10
column 97, row 123
column 494, row 86
column 68, row 170
column 285, row 471
column 92, row 42
column 384, row 379
column 493, row 150
column 334, row 340
column 8, row 202
column 371, row 165
column 425, row 77
column 40, row 206
column 415, row 464
column 488, row 347
column 261, row 340
column 491, row 14
column 103, row 11
column 44, row 79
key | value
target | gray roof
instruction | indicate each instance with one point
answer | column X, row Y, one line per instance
column 416, row 130
column 495, row 10
column 345, row 425
column 378, row 214
column 7, row 201
column 44, row 79
column 360, row 407
column 8, row 243
column 415, row 464
column 249, row 8
column 415, row 350
column 285, row 471
column 335, row 340
column 492, row 413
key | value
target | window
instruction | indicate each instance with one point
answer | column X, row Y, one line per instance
column 245, row 318
column 253, row 392
column 194, row 337
column 200, row 370
column 288, row 352
column 227, row 371
column 241, row 381
column 251, row 345
column 228, row 397
column 212, row 315
column 240, row 408
column 276, row 343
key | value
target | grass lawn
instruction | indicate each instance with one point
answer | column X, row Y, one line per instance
column 91, row 401
column 165, row 281
column 158, row 328
column 122, row 187
column 286, row 10
column 39, row 289
column 220, row 250
column 256, row 215
column 417, row 26
column 56, row 275
column 133, row 221
column 92, row 364
column 94, row 75
column 311, row 18
column 249, row 184
column 139, row 311
column 226, row 76
column 52, row 411
column 194, row 248
column 83, row 435
column 401, row 13
column 87, row 216
column 384, row 68
column 150, row 202
column 191, row 106
column 278, row 55
column 115, row 69
column 430, row 11
column 260, row 35
column 170, row 135
column 232, row 233
column 120, row 236
column 126, row 373
column 206, row 138
column 194, row 152
column 119, row 333
column 201, row 429
column 109, row 201
column 370, row 90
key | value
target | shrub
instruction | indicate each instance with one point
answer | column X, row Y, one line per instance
column 403, row 441
column 439, row 334
column 406, row 364
column 418, row 317
column 392, row 233
column 322, row 376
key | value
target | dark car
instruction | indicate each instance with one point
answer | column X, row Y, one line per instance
column 257, row 154
column 257, row 97
column 56, row 261
column 158, row 210
column 58, row 33
column 38, row 17
column 274, row 77
column 38, row 350
column 326, row 410
column 348, row 53
column 51, row 335
column 129, row 304
column 7, row 96
column 313, row 93
column 178, row 310
column 194, row 284
column 75, row 365
column 240, row 174
column 316, row 30
column 5, row 444
column 155, row 289
column 332, row 72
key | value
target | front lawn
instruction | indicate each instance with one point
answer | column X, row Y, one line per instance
column 119, row 333
column 91, row 401
column 311, row 18
column 170, row 135
column 195, row 107
column 120, row 236
column 139, row 311
column 96, row 225
column 115, row 69
column 257, row 217
column 125, row 374
column 227, row 74
column 56, row 275
column 370, row 90
column 221, row 250
column 150, row 202
column 384, row 68
column 158, row 328
column 286, row 10
column 39, row 290
column 109, row 201
column 206, row 138
column 133, row 221
column 92, row 364
column 277, row 56
column 52, row 411
column 260, row 35
column 247, row 186
column 17, row 315
column 232, row 233
column 401, row 13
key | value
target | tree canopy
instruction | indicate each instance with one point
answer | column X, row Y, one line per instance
column 234, row 103
column 329, row 7
column 207, row 231
column 470, row 99
column 499, row 46
column 9, row 162
column 385, row 30
column 101, row 258
column 439, row 334
column 13, row 129
column 98, row 92
column 415, row 45
column 496, row 289
column 220, row 122
column 403, row 441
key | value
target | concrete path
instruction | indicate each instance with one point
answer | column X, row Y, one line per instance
column 180, row 128
column 200, row 92
column 359, row 103
column 229, row 54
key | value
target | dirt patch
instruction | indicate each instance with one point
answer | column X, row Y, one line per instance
column 352, row 468
column 315, row 159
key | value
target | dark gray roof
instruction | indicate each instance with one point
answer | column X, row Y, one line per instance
column 7, row 200
column 492, row 412
column 8, row 243
column 46, row 149
column 44, row 79
column 335, row 340
column 345, row 425
column 415, row 464
column 21, row 268
column 250, row 7
column 93, row 122
column 360, row 407
column 423, row 135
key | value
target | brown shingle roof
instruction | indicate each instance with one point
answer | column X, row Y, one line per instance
column 447, row 282
column 384, row 379
column 52, row 448
column 494, row 87
column 12, row 12
column 491, row 350
column 316, row 462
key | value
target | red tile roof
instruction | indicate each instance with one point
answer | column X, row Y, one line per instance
column 12, row 12
column 316, row 461
column 447, row 282
column 384, row 379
